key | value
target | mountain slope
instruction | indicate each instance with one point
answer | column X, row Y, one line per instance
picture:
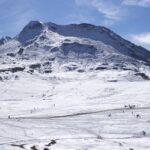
column 83, row 44
column 73, row 87
column 103, row 41
column 106, row 36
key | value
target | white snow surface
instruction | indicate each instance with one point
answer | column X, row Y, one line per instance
column 73, row 109
column 73, row 87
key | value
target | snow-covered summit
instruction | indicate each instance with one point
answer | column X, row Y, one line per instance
column 104, row 35
column 78, row 33
column 30, row 31
column 3, row 40
column 77, row 43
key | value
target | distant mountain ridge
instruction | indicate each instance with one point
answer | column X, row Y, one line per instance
column 76, row 42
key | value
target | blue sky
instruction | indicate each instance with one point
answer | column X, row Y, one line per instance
column 128, row 18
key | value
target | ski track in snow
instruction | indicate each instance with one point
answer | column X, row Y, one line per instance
column 77, row 112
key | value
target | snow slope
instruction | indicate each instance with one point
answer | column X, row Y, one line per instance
column 78, row 111
column 74, row 87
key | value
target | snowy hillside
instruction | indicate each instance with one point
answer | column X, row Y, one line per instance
column 73, row 87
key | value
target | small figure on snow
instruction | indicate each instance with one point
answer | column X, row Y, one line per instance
column 144, row 133
column 109, row 115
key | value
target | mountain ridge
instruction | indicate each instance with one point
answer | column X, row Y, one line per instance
column 101, row 33
column 74, row 43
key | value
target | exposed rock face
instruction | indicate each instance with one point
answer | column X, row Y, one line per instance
column 30, row 31
column 4, row 40
column 88, row 46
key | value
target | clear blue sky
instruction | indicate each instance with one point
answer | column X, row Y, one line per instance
column 129, row 18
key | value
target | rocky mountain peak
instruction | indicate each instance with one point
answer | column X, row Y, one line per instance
column 30, row 31
column 3, row 40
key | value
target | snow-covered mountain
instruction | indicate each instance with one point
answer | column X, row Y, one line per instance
column 74, row 41
column 77, row 86
column 3, row 40
column 79, row 46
